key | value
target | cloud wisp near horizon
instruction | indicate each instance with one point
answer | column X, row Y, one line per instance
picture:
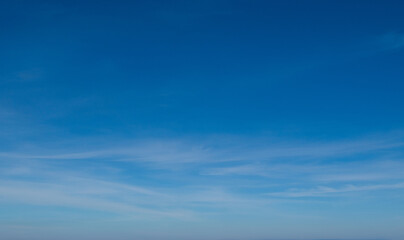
column 378, row 159
column 192, row 181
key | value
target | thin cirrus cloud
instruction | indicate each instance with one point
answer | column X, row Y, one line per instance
column 203, row 171
column 63, row 195
column 324, row 191
column 204, row 182
column 188, row 151
column 63, row 190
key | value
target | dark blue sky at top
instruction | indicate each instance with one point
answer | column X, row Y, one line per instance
column 290, row 67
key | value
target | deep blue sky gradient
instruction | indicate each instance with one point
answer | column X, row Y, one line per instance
column 201, row 119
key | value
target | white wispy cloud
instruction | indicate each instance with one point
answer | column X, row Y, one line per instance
column 208, row 151
column 323, row 191
column 250, row 169
column 202, row 172
column 85, row 193
column 351, row 177
column 49, row 185
column 362, row 171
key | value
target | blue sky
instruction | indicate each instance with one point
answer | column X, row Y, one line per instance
column 196, row 120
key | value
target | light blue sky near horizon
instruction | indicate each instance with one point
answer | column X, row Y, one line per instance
column 227, row 120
